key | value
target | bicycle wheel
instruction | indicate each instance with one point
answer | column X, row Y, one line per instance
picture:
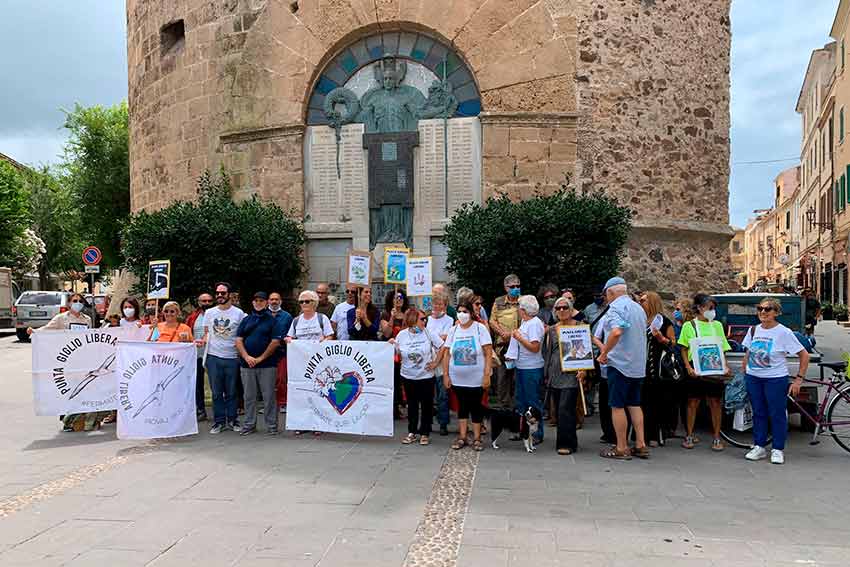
column 741, row 439
column 839, row 410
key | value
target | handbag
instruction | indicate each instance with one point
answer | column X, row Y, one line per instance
column 709, row 362
column 671, row 367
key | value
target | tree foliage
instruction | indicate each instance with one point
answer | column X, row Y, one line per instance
column 250, row 244
column 55, row 218
column 98, row 171
column 14, row 212
column 568, row 238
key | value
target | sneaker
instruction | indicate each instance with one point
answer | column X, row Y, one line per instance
column 246, row 430
column 234, row 426
column 777, row 457
column 217, row 428
column 756, row 454
column 271, row 432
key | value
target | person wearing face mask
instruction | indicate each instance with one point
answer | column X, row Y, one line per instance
column 546, row 296
column 592, row 311
column 703, row 325
column 439, row 324
column 130, row 316
column 74, row 320
column 420, row 354
column 152, row 315
column 276, row 309
column 195, row 321
column 504, row 320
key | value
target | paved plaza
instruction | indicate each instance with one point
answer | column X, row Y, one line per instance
column 90, row 499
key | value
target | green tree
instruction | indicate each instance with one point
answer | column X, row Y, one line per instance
column 98, row 171
column 250, row 244
column 55, row 218
column 14, row 212
column 567, row 238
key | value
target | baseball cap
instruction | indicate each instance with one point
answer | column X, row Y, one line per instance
column 612, row 282
column 261, row 295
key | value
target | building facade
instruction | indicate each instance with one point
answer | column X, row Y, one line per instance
column 470, row 98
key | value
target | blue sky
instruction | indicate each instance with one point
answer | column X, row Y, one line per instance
column 79, row 55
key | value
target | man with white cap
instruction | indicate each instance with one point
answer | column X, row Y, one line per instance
column 624, row 354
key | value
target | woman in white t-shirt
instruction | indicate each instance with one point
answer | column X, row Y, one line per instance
column 309, row 326
column 467, row 353
column 420, row 355
column 529, row 359
column 766, row 371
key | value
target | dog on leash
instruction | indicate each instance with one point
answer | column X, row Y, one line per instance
column 525, row 425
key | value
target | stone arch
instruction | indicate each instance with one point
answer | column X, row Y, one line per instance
column 406, row 40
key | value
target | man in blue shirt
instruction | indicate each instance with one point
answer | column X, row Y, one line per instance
column 258, row 340
column 624, row 354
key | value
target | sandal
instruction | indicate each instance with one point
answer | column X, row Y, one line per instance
column 459, row 443
column 688, row 442
column 410, row 438
column 613, row 453
column 424, row 440
column 565, row 452
column 641, row 452
column 718, row 445
column 477, row 445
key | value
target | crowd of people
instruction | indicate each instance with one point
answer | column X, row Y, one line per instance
column 480, row 363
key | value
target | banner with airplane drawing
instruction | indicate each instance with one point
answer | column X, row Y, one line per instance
column 74, row 371
column 156, row 390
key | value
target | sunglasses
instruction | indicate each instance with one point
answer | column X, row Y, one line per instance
column 761, row 309
column 423, row 318
column 514, row 286
column 222, row 293
column 305, row 301
column 562, row 308
column 350, row 291
column 76, row 301
column 170, row 311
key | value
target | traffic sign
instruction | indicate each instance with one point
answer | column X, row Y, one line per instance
column 92, row 256
column 92, row 269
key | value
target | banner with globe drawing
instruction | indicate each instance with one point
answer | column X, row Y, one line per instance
column 340, row 387
column 156, row 390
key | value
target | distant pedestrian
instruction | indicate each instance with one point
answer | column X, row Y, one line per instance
column 466, row 369
column 258, row 340
column 624, row 354
column 220, row 325
column 420, row 353
column 767, row 378
column 195, row 321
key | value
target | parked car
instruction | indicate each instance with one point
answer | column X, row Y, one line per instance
column 8, row 292
column 36, row 308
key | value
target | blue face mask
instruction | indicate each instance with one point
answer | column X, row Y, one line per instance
column 514, row 292
column 598, row 301
column 677, row 315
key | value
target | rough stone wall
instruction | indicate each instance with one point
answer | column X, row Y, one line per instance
column 627, row 96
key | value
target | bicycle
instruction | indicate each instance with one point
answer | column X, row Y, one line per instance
column 832, row 417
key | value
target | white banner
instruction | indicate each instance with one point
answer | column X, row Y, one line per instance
column 340, row 387
column 74, row 371
column 156, row 390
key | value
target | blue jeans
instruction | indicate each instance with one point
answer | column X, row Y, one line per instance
column 527, row 393
column 442, row 403
column 223, row 374
column 768, row 397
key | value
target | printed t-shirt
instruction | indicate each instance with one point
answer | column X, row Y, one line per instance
column 439, row 327
column 340, row 317
column 416, row 352
column 222, row 325
column 706, row 329
column 466, row 354
column 766, row 351
column 310, row 329
column 532, row 330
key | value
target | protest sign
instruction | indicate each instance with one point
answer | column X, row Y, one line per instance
column 73, row 371
column 340, row 387
column 708, row 359
column 156, row 390
column 159, row 279
column 575, row 348
column 395, row 265
column 359, row 268
column 419, row 276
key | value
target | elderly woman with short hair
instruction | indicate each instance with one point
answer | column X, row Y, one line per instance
column 529, row 359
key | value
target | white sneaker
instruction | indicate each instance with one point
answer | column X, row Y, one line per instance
column 777, row 457
column 756, row 454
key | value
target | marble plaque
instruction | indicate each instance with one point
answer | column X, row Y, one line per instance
column 329, row 198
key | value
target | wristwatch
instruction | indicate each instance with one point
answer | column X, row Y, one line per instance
column 800, row 376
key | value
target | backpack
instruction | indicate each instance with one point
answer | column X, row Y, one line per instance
column 321, row 323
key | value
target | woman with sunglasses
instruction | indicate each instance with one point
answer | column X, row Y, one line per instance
column 420, row 353
column 392, row 322
column 563, row 386
column 767, row 345
column 171, row 330
column 467, row 358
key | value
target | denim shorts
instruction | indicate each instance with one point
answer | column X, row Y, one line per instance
column 622, row 390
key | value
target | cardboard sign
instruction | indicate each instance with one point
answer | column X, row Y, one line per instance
column 359, row 268
column 159, row 279
column 576, row 350
column 419, row 276
column 395, row 265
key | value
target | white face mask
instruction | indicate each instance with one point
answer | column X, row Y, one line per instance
column 710, row 314
column 77, row 307
column 463, row 317
column 274, row 308
column 129, row 312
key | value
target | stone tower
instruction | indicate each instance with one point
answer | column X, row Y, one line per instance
column 628, row 96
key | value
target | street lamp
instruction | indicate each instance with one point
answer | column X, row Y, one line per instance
column 811, row 214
